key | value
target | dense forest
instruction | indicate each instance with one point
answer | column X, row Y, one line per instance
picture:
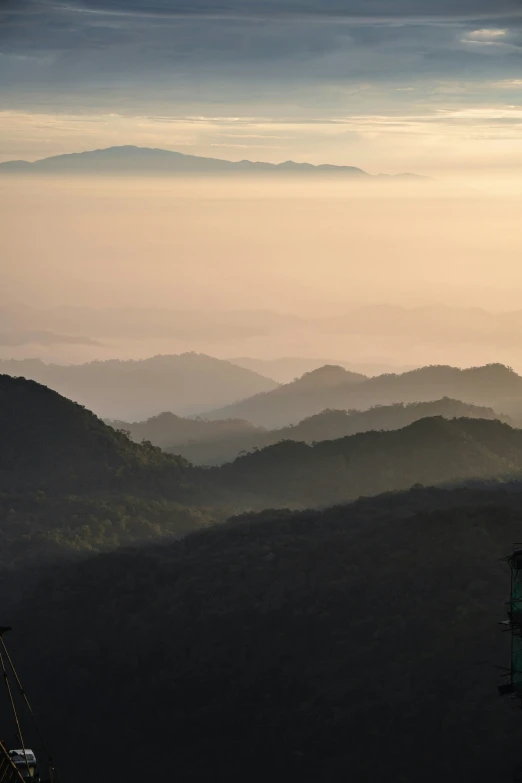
column 429, row 451
column 288, row 646
column 280, row 643
column 206, row 442
column 70, row 484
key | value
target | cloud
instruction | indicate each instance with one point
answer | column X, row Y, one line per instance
column 487, row 35
column 202, row 65
column 356, row 9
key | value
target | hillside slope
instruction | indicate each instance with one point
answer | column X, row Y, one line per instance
column 170, row 431
column 493, row 386
column 324, row 388
column 429, row 451
column 215, row 442
column 285, row 647
column 114, row 389
column 53, row 444
column 287, row 369
column 71, row 484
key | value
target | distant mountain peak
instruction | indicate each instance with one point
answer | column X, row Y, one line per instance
column 130, row 159
column 329, row 375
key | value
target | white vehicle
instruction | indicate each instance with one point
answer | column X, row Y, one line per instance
column 20, row 765
column 25, row 762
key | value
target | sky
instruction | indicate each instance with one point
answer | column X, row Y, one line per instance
column 247, row 267
column 387, row 85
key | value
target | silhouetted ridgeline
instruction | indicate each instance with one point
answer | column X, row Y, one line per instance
column 429, row 451
column 130, row 159
column 493, row 386
column 168, row 430
column 50, row 443
column 287, row 369
column 132, row 389
column 355, row 644
column 206, row 442
column 54, row 446
column 70, row 484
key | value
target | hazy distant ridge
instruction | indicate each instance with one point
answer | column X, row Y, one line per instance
column 214, row 442
column 494, row 386
column 184, row 383
column 146, row 160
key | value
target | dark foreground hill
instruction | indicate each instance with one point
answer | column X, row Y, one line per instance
column 114, row 389
column 355, row 644
column 71, row 484
column 492, row 386
column 214, row 442
column 52, row 444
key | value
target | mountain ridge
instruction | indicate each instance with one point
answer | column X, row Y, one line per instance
column 135, row 387
column 70, row 484
column 205, row 442
column 491, row 385
column 137, row 159
column 431, row 451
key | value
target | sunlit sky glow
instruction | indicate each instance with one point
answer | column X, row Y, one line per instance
column 389, row 85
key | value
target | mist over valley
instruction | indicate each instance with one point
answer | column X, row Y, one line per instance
column 260, row 391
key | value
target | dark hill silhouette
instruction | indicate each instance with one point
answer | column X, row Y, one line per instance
column 132, row 389
column 170, row 431
column 70, row 484
column 429, row 451
column 355, row 644
column 50, row 443
column 493, row 385
column 214, row 442
column 330, row 425
column 144, row 160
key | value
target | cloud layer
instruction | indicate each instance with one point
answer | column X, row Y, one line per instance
column 400, row 65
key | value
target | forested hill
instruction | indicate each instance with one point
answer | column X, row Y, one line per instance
column 493, row 386
column 53, row 444
column 184, row 383
column 169, row 431
column 429, row 451
column 355, row 644
column 69, row 483
column 330, row 424
column 214, row 442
